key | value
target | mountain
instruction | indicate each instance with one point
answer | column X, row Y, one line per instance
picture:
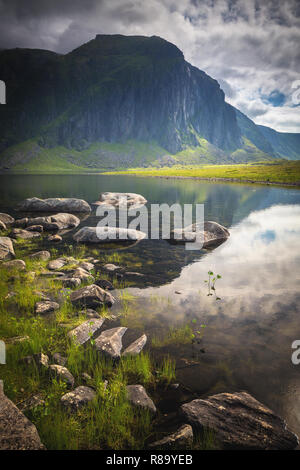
column 120, row 101
column 286, row 145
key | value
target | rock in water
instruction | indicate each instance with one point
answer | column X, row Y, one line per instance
column 91, row 296
column 107, row 235
column 212, row 235
column 123, row 200
column 79, row 397
column 16, row 431
column 84, row 332
column 54, row 205
column 238, row 421
column 137, row 396
column 60, row 221
column 135, row 347
column 181, row 439
column 110, row 342
column 6, row 249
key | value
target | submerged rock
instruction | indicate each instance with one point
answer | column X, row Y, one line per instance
column 213, row 234
column 238, row 421
column 16, row 431
column 54, row 205
column 135, row 347
column 86, row 331
column 110, row 342
column 63, row 374
column 121, row 200
column 181, row 439
column 6, row 219
column 112, row 268
column 91, row 296
column 15, row 264
column 40, row 255
column 107, row 235
column 79, row 397
column 46, row 306
column 137, row 396
column 6, row 249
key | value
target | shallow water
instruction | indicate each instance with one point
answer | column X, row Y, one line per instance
column 249, row 331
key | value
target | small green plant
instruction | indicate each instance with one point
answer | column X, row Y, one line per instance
column 211, row 283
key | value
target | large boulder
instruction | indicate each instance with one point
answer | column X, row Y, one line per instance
column 16, row 431
column 212, row 235
column 181, row 439
column 6, row 219
column 107, row 235
column 35, row 204
column 238, row 421
column 135, row 347
column 110, row 342
column 121, row 200
column 78, row 397
column 91, row 296
column 86, row 331
column 138, row 396
column 6, row 249
column 58, row 221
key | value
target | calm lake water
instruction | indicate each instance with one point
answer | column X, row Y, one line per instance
column 248, row 334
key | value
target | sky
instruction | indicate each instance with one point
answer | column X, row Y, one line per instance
column 252, row 47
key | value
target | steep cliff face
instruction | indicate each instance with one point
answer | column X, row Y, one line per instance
column 112, row 89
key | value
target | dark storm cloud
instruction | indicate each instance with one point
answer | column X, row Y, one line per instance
column 250, row 46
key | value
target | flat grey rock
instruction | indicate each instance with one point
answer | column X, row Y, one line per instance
column 54, row 205
column 56, row 264
column 138, row 396
column 79, row 397
column 238, row 421
column 110, row 342
column 83, row 275
column 40, row 255
column 6, row 249
column 24, row 234
column 60, row 221
column 121, row 200
column 135, row 347
column 16, row 431
column 86, row 331
column 212, row 234
column 91, row 296
column 15, row 264
column 107, row 235
column 181, row 439
column 46, row 306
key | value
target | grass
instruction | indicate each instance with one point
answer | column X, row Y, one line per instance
column 176, row 335
column 286, row 172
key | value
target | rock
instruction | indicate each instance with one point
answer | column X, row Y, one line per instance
column 59, row 359
column 6, row 219
column 6, row 249
column 86, row 331
column 17, row 339
column 214, row 234
column 24, row 234
column 40, row 359
column 40, row 255
column 79, row 397
column 59, row 221
column 104, row 284
column 107, row 235
column 54, row 238
column 16, row 431
column 83, row 275
column 2, row 226
column 86, row 377
column 86, row 266
column 110, row 342
column 137, row 396
column 20, row 222
column 91, row 296
column 135, row 347
column 54, row 205
column 112, row 268
column 15, row 264
column 46, row 306
column 123, row 200
column 56, row 264
column 238, row 421
column 89, row 313
column 181, row 439
column 63, row 374
column 52, row 274
column 70, row 282
column 31, row 403
column 133, row 275
column 35, row 228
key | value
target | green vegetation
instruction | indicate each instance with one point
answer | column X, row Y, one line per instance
column 286, row 172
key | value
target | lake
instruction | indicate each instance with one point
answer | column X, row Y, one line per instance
column 247, row 334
